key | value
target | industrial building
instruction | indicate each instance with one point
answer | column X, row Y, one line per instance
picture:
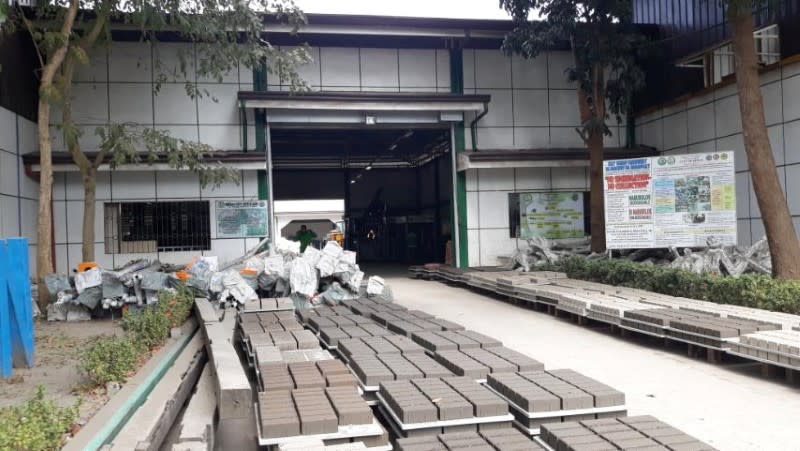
column 413, row 125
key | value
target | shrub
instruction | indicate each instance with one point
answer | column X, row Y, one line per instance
column 37, row 425
column 110, row 359
column 176, row 306
column 759, row 291
column 147, row 326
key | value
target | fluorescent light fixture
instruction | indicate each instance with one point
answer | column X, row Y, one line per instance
column 368, row 168
column 393, row 146
column 369, row 120
column 352, row 182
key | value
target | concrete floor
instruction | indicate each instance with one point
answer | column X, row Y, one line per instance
column 729, row 406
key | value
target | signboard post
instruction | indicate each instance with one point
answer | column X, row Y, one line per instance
column 241, row 219
column 551, row 215
column 675, row 200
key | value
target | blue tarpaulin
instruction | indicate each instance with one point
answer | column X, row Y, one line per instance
column 16, row 315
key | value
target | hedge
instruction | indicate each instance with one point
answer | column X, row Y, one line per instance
column 758, row 291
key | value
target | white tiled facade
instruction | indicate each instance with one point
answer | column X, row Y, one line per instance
column 19, row 193
column 711, row 122
column 533, row 107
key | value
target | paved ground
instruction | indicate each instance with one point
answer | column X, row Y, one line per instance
column 729, row 406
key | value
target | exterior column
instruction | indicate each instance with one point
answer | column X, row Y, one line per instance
column 460, row 241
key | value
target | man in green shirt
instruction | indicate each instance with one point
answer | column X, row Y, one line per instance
column 304, row 236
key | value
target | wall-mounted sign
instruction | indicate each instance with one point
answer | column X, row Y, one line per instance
column 241, row 219
column 672, row 200
column 551, row 215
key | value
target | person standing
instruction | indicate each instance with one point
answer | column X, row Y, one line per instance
column 305, row 237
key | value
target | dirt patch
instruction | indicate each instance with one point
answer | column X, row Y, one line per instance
column 58, row 349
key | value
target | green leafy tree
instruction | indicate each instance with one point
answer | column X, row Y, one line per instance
column 781, row 235
column 604, row 45
column 224, row 36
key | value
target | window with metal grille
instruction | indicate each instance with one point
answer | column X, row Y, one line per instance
column 142, row 227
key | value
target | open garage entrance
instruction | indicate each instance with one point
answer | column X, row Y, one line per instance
column 395, row 185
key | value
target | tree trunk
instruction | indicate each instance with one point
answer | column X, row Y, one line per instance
column 594, row 143
column 44, row 260
column 596, row 192
column 44, row 229
column 89, row 196
column 781, row 236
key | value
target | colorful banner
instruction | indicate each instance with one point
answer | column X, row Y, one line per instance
column 241, row 219
column 675, row 200
column 551, row 215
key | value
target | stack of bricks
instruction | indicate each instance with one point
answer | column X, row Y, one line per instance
column 311, row 411
column 714, row 329
column 306, row 314
column 349, row 319
column 284, row 340
column 555, row 391
column 477, row 363
column 324, row 373
column 436, row 401
column 452, row 339
column 269, row 304
column 504, row 439
column 781, row 346
column 315, row 411
column 387, row 344
column 373, row 369
column 640, row 432
column 332, row 335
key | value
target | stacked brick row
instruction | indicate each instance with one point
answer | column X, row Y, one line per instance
column 538, row 392
column 323, row 373
column 639, row 432
column 311, row 411
column 372, row 369
column 269, row 304
column 780, row 346
column 477, row 363
column 698, row 327
column 435, row 400
column 439, row 340
column 502, row 439
column 386, row 344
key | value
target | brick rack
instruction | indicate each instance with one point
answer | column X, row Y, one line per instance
column 538, row 397
column 386, row 344
column 372, row 369
column 775, row 347
column 639, row 432
column 424, row 407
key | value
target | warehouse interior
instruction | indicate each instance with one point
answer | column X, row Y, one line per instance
column 396, row 183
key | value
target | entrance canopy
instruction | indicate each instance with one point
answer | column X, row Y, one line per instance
column 362, row 108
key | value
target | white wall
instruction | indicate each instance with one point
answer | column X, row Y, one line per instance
column 140, row 186
column 533, row 106
column 711, row 122
column 119, row 84
column 376, row 70
column 488, row 232
column 18, row 193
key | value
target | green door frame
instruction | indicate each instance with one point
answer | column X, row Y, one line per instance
column 460, row 242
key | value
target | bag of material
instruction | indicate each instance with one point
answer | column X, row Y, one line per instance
column 285, row 246
column 336, row 293
column 273, row 265
column 326, row 265
column 56, row 283
column 312, row 256
column 303, row 278
column 375, row 285
column 90, row 297
column 333, row 249
column 236, row 287
column 112, row 286
column 88, row 279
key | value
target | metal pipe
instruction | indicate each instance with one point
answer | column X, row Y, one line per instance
column 270, row 188
column 454, row 225
column 474, row 124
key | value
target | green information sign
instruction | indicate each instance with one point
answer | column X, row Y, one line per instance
column 551, row 215
column 241, row 219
